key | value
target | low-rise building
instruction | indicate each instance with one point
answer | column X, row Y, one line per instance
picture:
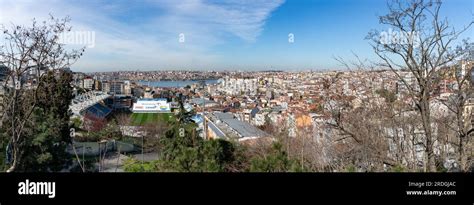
column 227, row 124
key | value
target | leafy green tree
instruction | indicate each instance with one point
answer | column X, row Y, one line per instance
column 76, row 123
column 217, row 155
column 399, row 168
column 27, row 52
column 133, row 165
column 275, row 161
column 183, row 151
column 205, row 156
column 389, row 96
column 48, row 133
column 183, row 116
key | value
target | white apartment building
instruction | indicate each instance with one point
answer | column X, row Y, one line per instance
column 88, row 83
column 127, row 89
column 237, row 86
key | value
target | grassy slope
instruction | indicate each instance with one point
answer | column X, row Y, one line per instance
column 139, row 119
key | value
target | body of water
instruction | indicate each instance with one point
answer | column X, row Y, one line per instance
column 174, row 84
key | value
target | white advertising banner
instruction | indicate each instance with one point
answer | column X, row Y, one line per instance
column 151, row 105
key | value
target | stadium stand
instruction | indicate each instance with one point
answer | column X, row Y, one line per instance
column 83, row 101
column 98, row 110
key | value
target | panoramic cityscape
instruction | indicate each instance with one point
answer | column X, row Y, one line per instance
column 236, row 86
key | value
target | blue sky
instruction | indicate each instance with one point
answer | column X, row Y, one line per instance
column 220, row 34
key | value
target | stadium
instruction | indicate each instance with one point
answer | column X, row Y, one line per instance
column 149, row 110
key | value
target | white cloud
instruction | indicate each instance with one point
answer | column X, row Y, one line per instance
column 152, row 42
column 244, row 19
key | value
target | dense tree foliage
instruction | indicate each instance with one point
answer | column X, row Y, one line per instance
column 37, row 94
column 47, row 134
column 276, row 160
column 183, row 150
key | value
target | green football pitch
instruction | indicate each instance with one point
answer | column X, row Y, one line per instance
column 139, row 119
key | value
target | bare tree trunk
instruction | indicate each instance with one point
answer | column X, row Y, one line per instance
column 426, row 56
column 426, row 121
column 77, row 158
column 118, row 158
column 302, row 152
column 14, row 137
column 29, row 48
